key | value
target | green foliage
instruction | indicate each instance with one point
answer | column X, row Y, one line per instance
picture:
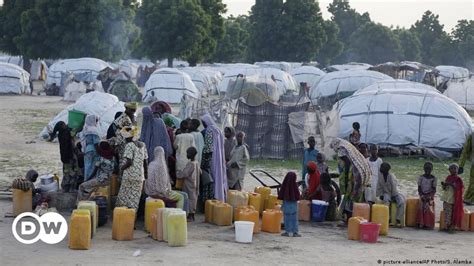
column 10, row 23
column 349, row 21
column 302, row 31
column 463, row 39
column 332, row 46
column 77, row 28
column 232, row 48
column 410, row 45
column 431, row 34
column 174, row 29
column 375, row 43
column 265, row 34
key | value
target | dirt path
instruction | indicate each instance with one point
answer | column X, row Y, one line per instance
column 23, row 118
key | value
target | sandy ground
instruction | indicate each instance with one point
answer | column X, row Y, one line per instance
column 21, row 150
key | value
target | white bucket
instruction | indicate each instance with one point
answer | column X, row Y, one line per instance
column 243, row 231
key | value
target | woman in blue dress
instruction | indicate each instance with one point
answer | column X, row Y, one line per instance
column 90, row 141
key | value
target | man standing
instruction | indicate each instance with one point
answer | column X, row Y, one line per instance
column 310, row 154
column 237, row 164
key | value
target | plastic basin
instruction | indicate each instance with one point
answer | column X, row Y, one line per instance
column 244, row 231
column 369, row 232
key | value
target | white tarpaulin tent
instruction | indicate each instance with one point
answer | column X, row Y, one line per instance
column 338, row 85
column 13, row 79
column 38, row 67
column 231, row 73
column 284, row 66
column 205, row 80
column 462, row 92
column 400, row 113
column 308, row 74
column 101, row 104
column 348, row 66
column 75, row 66
column 452, row 72
column 169, row 85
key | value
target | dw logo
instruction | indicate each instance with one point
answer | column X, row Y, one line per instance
column 28, row 228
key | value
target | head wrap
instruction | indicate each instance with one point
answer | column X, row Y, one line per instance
column 158, row 182
column 131, row 105
column 289, row 188
column 345, row 148
column 154, row 134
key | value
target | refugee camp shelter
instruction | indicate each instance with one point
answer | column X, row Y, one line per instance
column 79, row 67
column 283, row 66
column 462, row 92
column 307, row 74
column 125, row 90
column 338, row 85
column 253, row 90
column 405, row 114
column 412, row 71
column 232, row 72
column 101, row 104
column 38, row 69
column 451, row 73
column 169, row 85
column 13, row 79
column 201, row 79
column 348, row 66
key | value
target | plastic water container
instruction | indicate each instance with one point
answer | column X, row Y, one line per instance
column 250, row 215
column 361, row 210
column 369, row 232
column 411, row 211
column 177, row 227
column 256, row 201
column 208, row 210
column 75, row 119
column 222, row 214
column 271, row 221
column 154, row 226
column 159, row 224
column 380, row 215
column 244, row 231
column 239, row 209
column 94, row 209
column 271, row 202
column 79, row 230
column 465, row 220
column 353, row 229
column 167, row 213
column 151, row 205
column 318, row 210
column 265, row 193
column 114, row 185
column 22, row 201
column 304, row 210
column 237, row 198
column 123, row 224
column 393, row 215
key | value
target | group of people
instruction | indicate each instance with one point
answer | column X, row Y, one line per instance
column 365, row 178
column 171, row 159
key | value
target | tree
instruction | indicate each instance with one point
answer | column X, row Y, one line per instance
column 215, row 9
column 302, row 31
column 232, row 48
column 10, row 26
column 410, row 45
column 332, row 47
column 173, row 28
column 265, row 33
column 375, row 43
column 430, row 32
column 76, row 28
column 348, row 20
column 463, row 39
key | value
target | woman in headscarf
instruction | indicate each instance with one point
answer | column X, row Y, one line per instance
column 90, row 140
column 154, row 134
column 158, row 184
column 68, row 157
column 355, row 175
column 134, row 170
column 313, row 179
column 111, row 131
column 213, row 156
column 290, row 195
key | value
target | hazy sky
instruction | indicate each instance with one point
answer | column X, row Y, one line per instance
column 389, row 12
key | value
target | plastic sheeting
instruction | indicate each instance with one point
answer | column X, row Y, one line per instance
column 75, row 66
column 452, row 72
column 462, row 92
column 308, row 74
column 13, row 79
column 103, row 105
column 169, row 85
column 398, row 115
column 338, row 85
column 348, row 66
column 253, row 90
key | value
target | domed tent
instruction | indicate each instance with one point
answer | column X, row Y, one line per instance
column 283, row 66
column 13, row 79
column 125, row 90
column 348, row 66
column 462, row 92
column 254, row 90
column 446, row 73
column 307, row 74
column 101, row 104
column 169, row 85
column 231, row 72
column 341, row 84
column 89, row 67
column 402, row 113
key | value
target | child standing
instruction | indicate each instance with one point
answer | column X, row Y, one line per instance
column 190, row 175
column 387, row 191
column 309, row 155
column 328, row 194
column 452, row 198
column 290, row 195
column 374, row 162
column 354, row 137
column 237, row 165
column 427, row 190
